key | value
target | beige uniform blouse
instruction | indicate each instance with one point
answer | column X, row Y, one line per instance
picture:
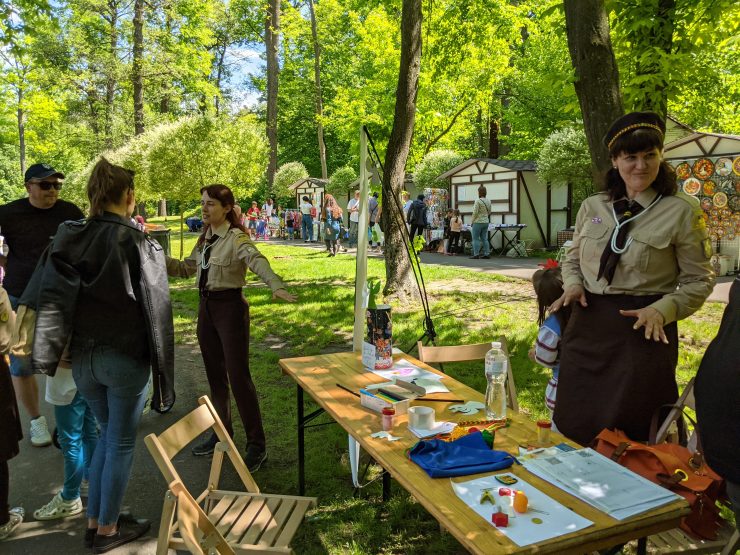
column 231, row 255
column 669, row 253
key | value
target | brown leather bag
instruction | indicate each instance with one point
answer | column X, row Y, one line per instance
column 676, row 468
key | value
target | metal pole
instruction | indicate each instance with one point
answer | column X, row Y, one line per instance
column 361, row 260
column 301, row 443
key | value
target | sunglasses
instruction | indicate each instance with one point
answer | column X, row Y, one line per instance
column 47, row 185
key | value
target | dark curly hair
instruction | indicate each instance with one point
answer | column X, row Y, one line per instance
column 639, row 140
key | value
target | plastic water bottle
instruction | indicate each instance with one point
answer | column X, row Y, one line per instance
column 496, row 370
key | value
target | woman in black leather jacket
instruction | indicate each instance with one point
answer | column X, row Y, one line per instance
column 104, row 284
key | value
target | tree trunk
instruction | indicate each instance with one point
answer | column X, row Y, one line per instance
column 317, row 85
column 138, row 79
column 221, row 49
column 162, row 209
column 21, row 114
column 493, row 151
column 399, row 280
column 597, row 76
column 272, row 39
column 660, row 37
column 110, row 80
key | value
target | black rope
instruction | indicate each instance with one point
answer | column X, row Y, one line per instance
column 414, row 260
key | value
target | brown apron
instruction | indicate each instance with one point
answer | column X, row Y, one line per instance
column 610, row 375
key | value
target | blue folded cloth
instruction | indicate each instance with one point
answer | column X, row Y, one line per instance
column 468, row 455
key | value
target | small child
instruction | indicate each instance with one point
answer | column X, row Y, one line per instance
column 453, row 244
column 548, row 285
column 78, row 436
column 262, row 228
column 289, row 224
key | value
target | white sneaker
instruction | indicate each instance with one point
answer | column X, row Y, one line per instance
column 58, row 508
column 16, row 517
column 40, row 436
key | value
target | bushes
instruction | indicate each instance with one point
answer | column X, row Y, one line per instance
column 433, row 165
column 340, row 182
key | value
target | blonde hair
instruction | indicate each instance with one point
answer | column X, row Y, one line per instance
column 107, row 184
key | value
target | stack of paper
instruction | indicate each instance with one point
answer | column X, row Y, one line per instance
column 438, row 428
column 600, row 482
column 404, row 370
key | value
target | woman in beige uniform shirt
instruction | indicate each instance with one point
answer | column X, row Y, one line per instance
column 220, row 259
column 638, row 263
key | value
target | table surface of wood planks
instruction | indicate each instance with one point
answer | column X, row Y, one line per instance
column 318, row 376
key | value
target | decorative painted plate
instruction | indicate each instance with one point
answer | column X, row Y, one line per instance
column 692, row 186
column 735, row 203
column 720, row 232
column 709, row 188
column 683, row 171
column 706, row 204
column 723, row 166
column 703, row 168
column 727, row 186
column 737, row 186
column 719, row 200
column 736, row 165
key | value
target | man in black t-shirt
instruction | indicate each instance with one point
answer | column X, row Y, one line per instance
column 28, row 224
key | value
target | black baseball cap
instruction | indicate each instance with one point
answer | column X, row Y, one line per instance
column 41, row 171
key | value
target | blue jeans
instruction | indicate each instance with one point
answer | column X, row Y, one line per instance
column 114, row 384
column 479, row 233
column 19, row 366
column 307, row 227
column 78, row 435
column 353, row 229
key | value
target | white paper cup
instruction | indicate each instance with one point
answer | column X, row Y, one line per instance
column 421, row 417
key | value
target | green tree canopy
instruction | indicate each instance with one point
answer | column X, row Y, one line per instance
column 433, row 165
column 340, row 181
column 286, row 175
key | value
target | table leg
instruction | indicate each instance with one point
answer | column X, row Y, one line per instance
column 642, row 546
column 386, row 486
column 301, row 446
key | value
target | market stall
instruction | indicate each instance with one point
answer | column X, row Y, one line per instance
column 708, row 167
column 517, row 197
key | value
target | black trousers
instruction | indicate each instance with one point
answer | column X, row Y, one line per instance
column 414, row 230
column 453, row 245
column 223, row 335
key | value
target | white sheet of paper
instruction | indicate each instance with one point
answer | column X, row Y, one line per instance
column 406, row 371
column 601, row 482
column 558, row 521
column 439, row 428
column 431, row 386
column 368, row 355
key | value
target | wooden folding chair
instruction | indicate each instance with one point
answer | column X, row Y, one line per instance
column 462, row 353
column 676, row 541
column 220, row 521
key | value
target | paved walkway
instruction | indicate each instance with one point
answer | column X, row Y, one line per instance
column 36, row 475
column 522, row 268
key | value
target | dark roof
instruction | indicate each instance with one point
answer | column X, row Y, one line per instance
column 516, row 165
column 519, row 165
column 311, row 180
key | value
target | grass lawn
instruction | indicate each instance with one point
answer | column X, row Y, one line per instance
column 467, row 307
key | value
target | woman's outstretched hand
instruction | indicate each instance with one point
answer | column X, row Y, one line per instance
column 651, row 319
column 574, row 293
column 282, row 294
